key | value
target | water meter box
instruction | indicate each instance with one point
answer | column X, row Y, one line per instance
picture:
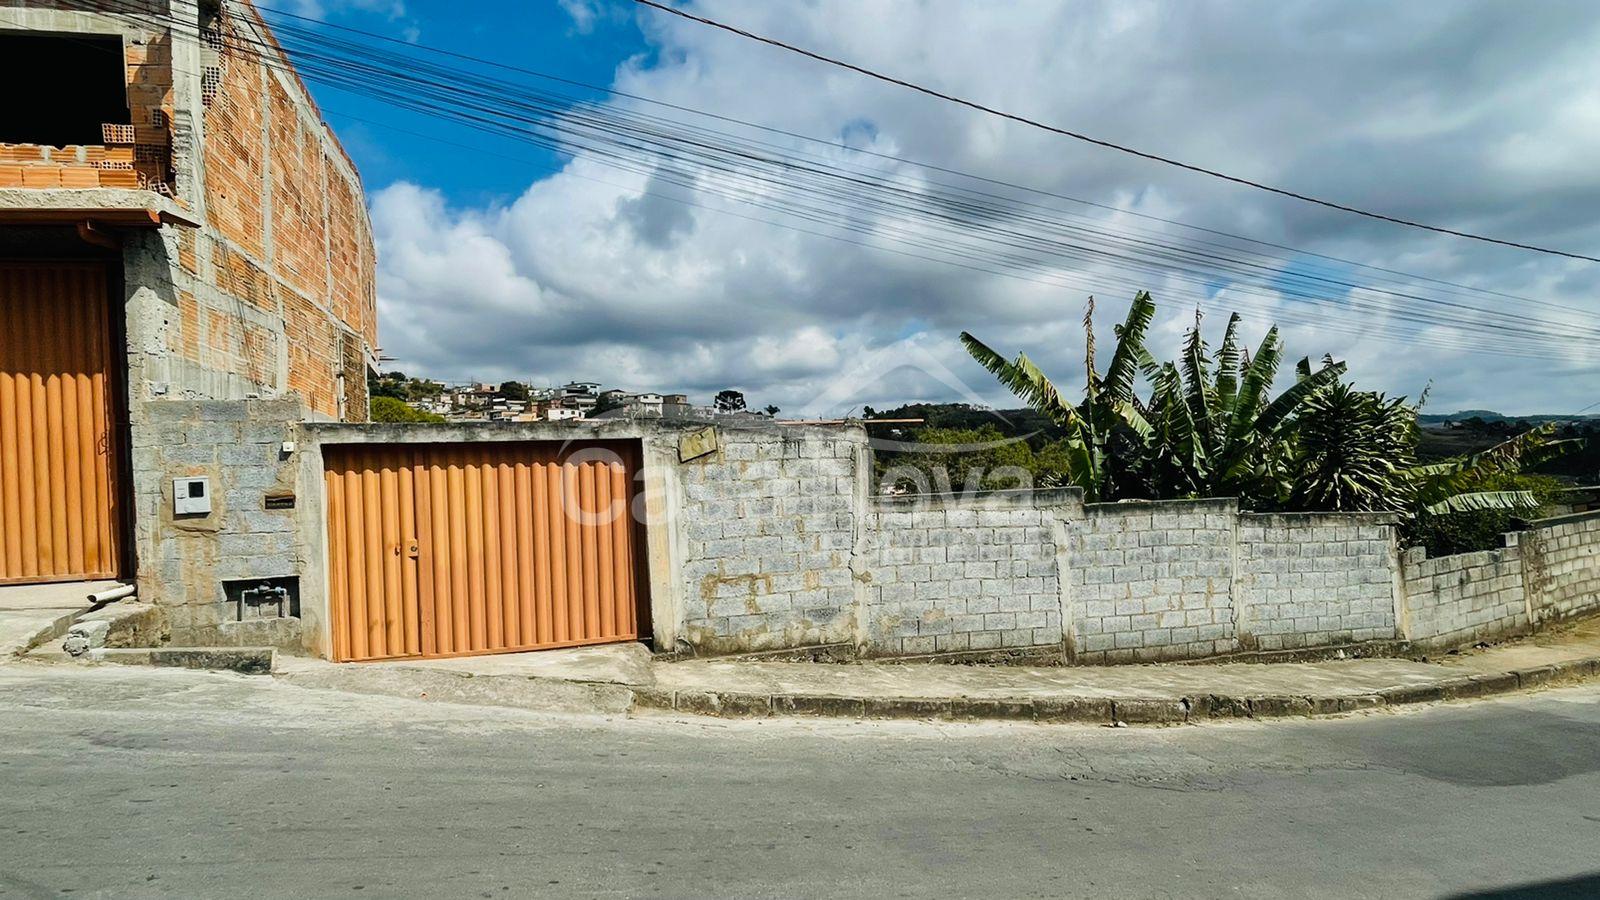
column 191, row 496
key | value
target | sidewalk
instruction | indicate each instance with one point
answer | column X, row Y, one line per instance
column 32, row 613
column 623, row 679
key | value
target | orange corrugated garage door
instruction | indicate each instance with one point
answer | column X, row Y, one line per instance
column 459, row 549
column 58, row 486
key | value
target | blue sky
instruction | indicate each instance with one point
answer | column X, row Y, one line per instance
column 506, row 261
column 390, row 144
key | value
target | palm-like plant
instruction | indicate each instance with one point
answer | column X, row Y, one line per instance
column 1211, row 428
column 1353, row 451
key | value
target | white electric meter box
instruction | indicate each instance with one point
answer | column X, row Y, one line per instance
column 191, row 496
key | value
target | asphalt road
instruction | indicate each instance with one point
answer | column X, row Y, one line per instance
column 128, row 782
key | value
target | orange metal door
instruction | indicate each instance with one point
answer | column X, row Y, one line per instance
column 58, row 490
column 461, row 549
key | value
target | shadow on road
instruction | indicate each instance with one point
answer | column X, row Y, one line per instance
column 1580, row 886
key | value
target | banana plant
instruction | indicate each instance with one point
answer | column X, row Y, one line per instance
column 1110, row 406
column 1200, row 434
column 1223, row 428
column 1445, row 487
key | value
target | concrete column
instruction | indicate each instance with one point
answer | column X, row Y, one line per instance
column 663, row 504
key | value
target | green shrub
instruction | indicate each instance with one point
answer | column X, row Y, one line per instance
column 389, row 409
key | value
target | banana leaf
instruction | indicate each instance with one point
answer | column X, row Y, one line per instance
column 1485, row 500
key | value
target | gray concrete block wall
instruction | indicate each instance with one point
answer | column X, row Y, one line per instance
column 1465, row 598
column 1152, row 581
column 964, row 572
column 1563, row 561
column 767, row 526
column 1315, row 579
column 773, row 542
column 182, row 561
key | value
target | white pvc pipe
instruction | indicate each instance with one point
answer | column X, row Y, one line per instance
column 110, row 594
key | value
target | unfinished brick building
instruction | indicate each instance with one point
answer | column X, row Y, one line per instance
column 177, row 223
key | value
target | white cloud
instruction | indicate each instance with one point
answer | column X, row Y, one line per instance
column 583, row 13
column 1474, row 115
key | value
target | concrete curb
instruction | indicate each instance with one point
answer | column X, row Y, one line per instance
column 1108, row 710
column 244, row 660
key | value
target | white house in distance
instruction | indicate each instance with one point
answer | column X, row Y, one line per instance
column 647, row 404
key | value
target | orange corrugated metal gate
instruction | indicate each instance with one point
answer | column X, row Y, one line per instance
column 460, row 549
column 58, row 486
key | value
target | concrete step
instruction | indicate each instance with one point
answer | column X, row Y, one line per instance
column 460, row 682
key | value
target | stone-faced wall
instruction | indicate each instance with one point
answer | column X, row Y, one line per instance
column 184, row 560
column 1316, row 579
column 1152, row 581
column 767, row 528
column 955, row 573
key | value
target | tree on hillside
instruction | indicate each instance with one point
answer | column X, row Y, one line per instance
column 729, row 400
column 513, row 390
column 397, row 385
column 386, row 384
column 389, row 409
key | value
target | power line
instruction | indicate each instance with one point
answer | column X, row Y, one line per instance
column 1101, row 231
column 973, row 231
column 1110, row 145
column 790, row 168
column 923, row 164
column 985, row 265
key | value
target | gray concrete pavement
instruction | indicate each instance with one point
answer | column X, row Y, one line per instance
column 622, row 677
column 130, row 782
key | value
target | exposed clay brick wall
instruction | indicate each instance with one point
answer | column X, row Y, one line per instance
column 351, row 259
column 135, row 156
column 313, row 353
column 287, row 230
column 235, row 189
column 274, row 293
column 297, row 176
